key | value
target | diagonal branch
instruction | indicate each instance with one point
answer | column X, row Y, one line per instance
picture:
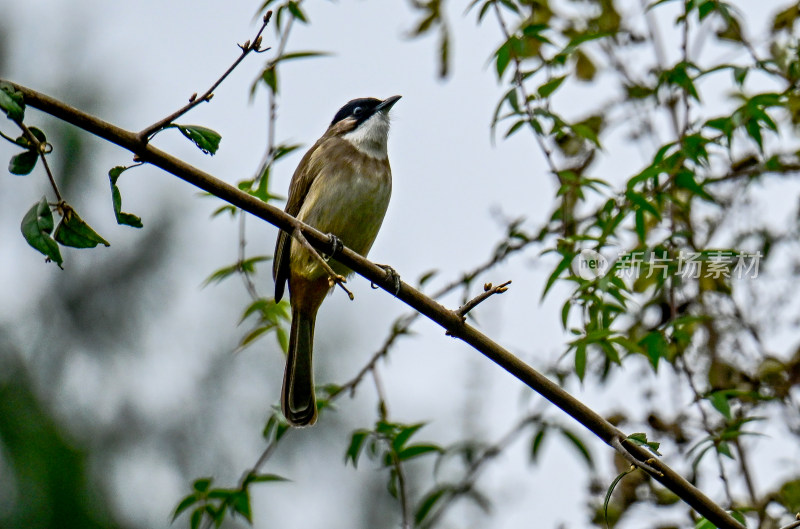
column 447, row 319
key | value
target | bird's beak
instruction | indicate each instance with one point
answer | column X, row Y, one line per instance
column 387, row 103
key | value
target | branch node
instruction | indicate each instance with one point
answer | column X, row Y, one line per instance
column 644, row 465
column 488, row 291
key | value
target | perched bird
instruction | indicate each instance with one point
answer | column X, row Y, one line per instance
column 341, row 187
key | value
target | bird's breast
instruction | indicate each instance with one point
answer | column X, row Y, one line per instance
column 349, row 200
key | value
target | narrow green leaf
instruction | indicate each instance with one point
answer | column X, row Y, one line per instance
column 126, row 219
column 566, row 261
column 296, row 12
column 503, row 55
column 724, row 449
column 405, row 434
column 580, row 360
column 23, row 163
column 578, row 443
column 240, row 503
column 536, row 444
column 270, row 78
column 73, row 231
column 611, row 490
column 301, row 55
column 550, row 86
column 197, row 518
column 719, row 399
column 265, row 478
column 356, row 446
column 702, row 523
column 37, row 224
column 207, row 140
column 417, row 451
column 254, row 335
column 428, row 502
column 565, row 313
column 685, row 179
column 185, row 503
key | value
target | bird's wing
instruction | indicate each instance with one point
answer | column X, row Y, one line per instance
column 302, row 179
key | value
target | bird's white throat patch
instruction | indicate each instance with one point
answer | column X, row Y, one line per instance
column 371, row 136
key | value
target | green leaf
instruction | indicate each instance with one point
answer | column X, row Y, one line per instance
column 655, row 347
column 23, row 163
column 207, row 140
column 12, row 102
column 577, row 442
column 300, row 55
column 580, row 360
column 702, row 523
column 640, row 438
column 685, row 180
column 202, row 484
column 503, row 55
column 356, row 446
column 126, row 219
column 428, row 502
column 265, row 478
column 270, row 78
column 536, row 444
column 185, row 503
column 197, row 518
column 719, row 399
column 417, row 451
column 73, row 231
column 36, row 228
column 565, row 313
column 550, row 86
column 611, row 490
column 566, row 261
column 296, row 12
column 254, row 334
column 405, row 434
column 240, row 503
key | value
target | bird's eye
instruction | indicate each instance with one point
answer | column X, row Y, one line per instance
column 357, row 111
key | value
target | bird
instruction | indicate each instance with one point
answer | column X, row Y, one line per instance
column 341, row 187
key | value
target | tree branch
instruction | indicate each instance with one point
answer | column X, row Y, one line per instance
column 447, row 319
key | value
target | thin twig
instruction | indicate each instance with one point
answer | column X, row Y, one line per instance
column 246, row 48
column 794, row 524
column 523, row 92
column 707, row 426
column 333, row 277
column 41, row 151
column 488, row 291
column 621, row 450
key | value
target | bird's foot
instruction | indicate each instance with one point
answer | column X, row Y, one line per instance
column 393, row 276
column 336, row 245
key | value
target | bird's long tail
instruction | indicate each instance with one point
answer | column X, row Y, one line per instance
column 297, row 396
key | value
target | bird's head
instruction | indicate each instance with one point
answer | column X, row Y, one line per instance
column 364, row 122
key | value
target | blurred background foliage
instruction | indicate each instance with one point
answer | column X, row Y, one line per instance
column 663, row 129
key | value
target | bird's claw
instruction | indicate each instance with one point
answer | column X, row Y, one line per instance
column 336, row 245
column 391, row 274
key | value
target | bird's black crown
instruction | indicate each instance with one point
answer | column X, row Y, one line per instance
column 360, row 109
